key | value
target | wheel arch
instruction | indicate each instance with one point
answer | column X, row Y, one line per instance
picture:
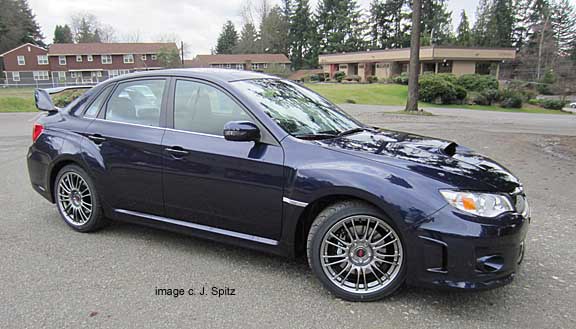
column 55, row 169
column 311, row 211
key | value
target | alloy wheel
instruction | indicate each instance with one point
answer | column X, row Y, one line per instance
column 74, row 199
column 361, row 254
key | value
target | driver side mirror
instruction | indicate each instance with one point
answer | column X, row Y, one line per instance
column 241, row 131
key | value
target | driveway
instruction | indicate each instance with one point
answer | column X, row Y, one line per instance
column 53, row 277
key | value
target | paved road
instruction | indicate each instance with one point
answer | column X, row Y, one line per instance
column 53, row 277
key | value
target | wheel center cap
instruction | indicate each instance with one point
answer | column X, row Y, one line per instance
column 360, row 252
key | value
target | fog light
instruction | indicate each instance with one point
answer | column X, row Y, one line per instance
column 490, row 264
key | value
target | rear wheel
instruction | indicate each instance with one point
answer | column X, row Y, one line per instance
column 356, row 252
column 77, row 200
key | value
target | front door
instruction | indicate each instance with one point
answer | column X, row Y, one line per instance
column 236, row 186
column 128, row 138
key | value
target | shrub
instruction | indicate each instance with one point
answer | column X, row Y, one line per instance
column 461, row 93
column 339, row 76
column 487, row 97
column 448, row 77
column 478, row 82
column 511, row 99
column 401, row 79
column 66, row 97
column 350, row 101
column 552, row 104
column 544, row 89
column 435, row 89
column 533, row 101
column 353, row 78
column 372, row 79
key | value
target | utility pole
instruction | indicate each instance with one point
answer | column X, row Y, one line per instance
column 413, row 92
column 182, row 52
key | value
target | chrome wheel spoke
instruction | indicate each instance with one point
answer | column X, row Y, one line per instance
column 352, row 260
column 74, row 199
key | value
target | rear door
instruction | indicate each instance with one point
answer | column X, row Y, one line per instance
column 127, row 136
column 208, row 180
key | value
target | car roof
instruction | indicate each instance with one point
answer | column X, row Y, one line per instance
column 225, row 75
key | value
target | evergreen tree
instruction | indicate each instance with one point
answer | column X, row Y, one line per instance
column 248, row 43
column 480, row 30
column 500, row 24
column 274, row 31
column 340, row 26
column 521, row 22
column 63, row 34
column 436, row 22
column 302, row 36
column 563, row 24
column 17, row 25
column 389, row 24
column 227, row 40
column 464, row 37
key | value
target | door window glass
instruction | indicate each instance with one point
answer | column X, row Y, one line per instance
column 137, row 102
column 204, row 109
column 93, row 109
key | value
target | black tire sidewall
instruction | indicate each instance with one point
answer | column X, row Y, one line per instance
column 95, row 221
column 316, row 265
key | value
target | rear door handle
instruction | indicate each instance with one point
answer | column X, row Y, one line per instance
column 97, row 138
column 177, row 151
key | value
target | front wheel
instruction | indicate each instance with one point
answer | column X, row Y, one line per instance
column 356, row 252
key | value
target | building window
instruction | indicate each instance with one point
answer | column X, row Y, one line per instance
column 106, row 59
column 143, row 57
column 112, row 73
column 239, row 66
column 62, row 60
column 153, row 57
column 121, row 72
column 89, row 58
column 16, row 76
column 21, row 60
column 228, row 66
column 128, row 59
column 79, row 58
column 255, row 66
column 41, row 75
column 62, row 76
column 73, row 75
column 42, row 59
column 343, row 67
column 99, row 74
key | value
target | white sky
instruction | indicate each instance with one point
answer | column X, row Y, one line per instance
column 196, row 22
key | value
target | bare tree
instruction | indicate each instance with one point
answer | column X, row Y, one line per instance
column 413, row 92
column 87, row 27
column 131, row 37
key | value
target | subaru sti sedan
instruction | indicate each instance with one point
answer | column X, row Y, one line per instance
column 261, row 162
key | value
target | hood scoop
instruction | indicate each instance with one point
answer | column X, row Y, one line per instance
column 416, row 146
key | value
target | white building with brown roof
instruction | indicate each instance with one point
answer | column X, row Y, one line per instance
column 435, row 59
column 254, row 62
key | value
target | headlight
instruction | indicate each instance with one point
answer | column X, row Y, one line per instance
column 481, row 204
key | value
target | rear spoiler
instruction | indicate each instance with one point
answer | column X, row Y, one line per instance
column 44, row 101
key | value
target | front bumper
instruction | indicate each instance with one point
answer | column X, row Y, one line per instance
column 455, row 250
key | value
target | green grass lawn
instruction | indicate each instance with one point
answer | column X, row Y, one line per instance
column 17, row 100
column 393, row 94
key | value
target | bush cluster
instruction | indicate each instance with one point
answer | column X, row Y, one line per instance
column 401, row 79
column 440, row 89
column 372, row 79
column 552, row 104
column 478, row 82
column 66, row 97
column 339, row 76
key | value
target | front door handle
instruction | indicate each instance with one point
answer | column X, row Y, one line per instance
column 177, row 151
column 97, row 138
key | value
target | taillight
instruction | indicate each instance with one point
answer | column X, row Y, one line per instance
column 36, row 131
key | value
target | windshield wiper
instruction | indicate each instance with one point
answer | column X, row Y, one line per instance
column 351, row 131
column 316, row 136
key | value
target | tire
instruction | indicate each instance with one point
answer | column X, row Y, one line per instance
column 77, row 200
column 356, row 252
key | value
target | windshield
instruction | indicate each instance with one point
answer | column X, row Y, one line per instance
column 299, row 111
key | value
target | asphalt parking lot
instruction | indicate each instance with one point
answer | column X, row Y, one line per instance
column 53, row 277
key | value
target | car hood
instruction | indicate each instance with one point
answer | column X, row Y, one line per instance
column 440, row 159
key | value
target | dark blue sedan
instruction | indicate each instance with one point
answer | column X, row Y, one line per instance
column 265, row 163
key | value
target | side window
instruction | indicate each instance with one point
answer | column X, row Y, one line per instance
column 204, row 109
column 137, row 102
column 93, row 109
